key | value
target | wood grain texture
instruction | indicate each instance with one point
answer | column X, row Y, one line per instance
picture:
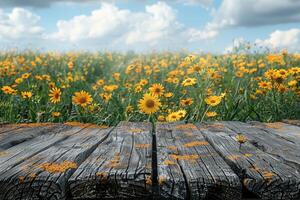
column 22, row 133
column 288, row 132
column 270, row 142
column 119, row 168
column 19, row 153
column 190, row 168
column 84, row 161
column 292, row 121
column 261, row 173
column 8, row 127
column 45, row 174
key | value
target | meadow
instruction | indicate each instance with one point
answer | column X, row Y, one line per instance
column 105, row 88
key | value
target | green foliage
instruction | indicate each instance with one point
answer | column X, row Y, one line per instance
column 119, row 77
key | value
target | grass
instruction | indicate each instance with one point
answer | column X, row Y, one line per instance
column 263, row 87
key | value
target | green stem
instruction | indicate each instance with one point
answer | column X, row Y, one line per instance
column 208, row 107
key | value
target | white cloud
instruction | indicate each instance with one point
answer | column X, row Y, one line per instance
column 289, row 39
column 204, row 3
column 157, row 23
column 113, row 27
column 196, row 35
column 109, row 27
column 101, row 23
column 19, row 24
column 249, row 13
column 277, row 40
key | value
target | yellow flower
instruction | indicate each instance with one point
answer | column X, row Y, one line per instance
column 181, row 113
column 46, row 77
column 190, row 58
column 157, row 89
column 274, row 58
column 292, row 83
column 110, row 88
column 208, row 91
column 294, row 70
column 116, row 76
column 38, row 77
column 55, row 114
column 265, row 85
column 143, row 82
column 8, row 90
column 100, row 82
column 281, row 88
column 239, row 74
column 168, row 94
column 129, row 109
column 161, row 118
column 260, row 92
column 26, row 75
column 82, row 98
column 241, row 138
column 128, row 85
column 149, row 104
column 138, row 88
column 186, row 102
column 213, row 100
column 211, row 114
column 54, row 95
column 18, row 80
column 26, row 94
column 106, row 96
column 51, row 84
column 282, row 73
column 189, row 81
column 173, row 116
column 94, row 107
column 70, row 65
column 223, row 94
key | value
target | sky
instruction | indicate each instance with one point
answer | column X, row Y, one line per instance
column 215, row 26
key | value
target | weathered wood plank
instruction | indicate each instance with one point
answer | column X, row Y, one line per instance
column 119, row 168
column 190, row 168
column 12, row 127
column 45, row 175
column 8, row 127
column 24, row 133
column 19, row 153
column 261, row 173
column 291, row 121
column 286, row 150
column 284, row 131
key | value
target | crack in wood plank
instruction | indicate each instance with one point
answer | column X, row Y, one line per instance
column 200, row 173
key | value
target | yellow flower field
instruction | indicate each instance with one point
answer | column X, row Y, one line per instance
column 105, row 88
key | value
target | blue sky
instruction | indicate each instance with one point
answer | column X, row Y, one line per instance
column 197, row 25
